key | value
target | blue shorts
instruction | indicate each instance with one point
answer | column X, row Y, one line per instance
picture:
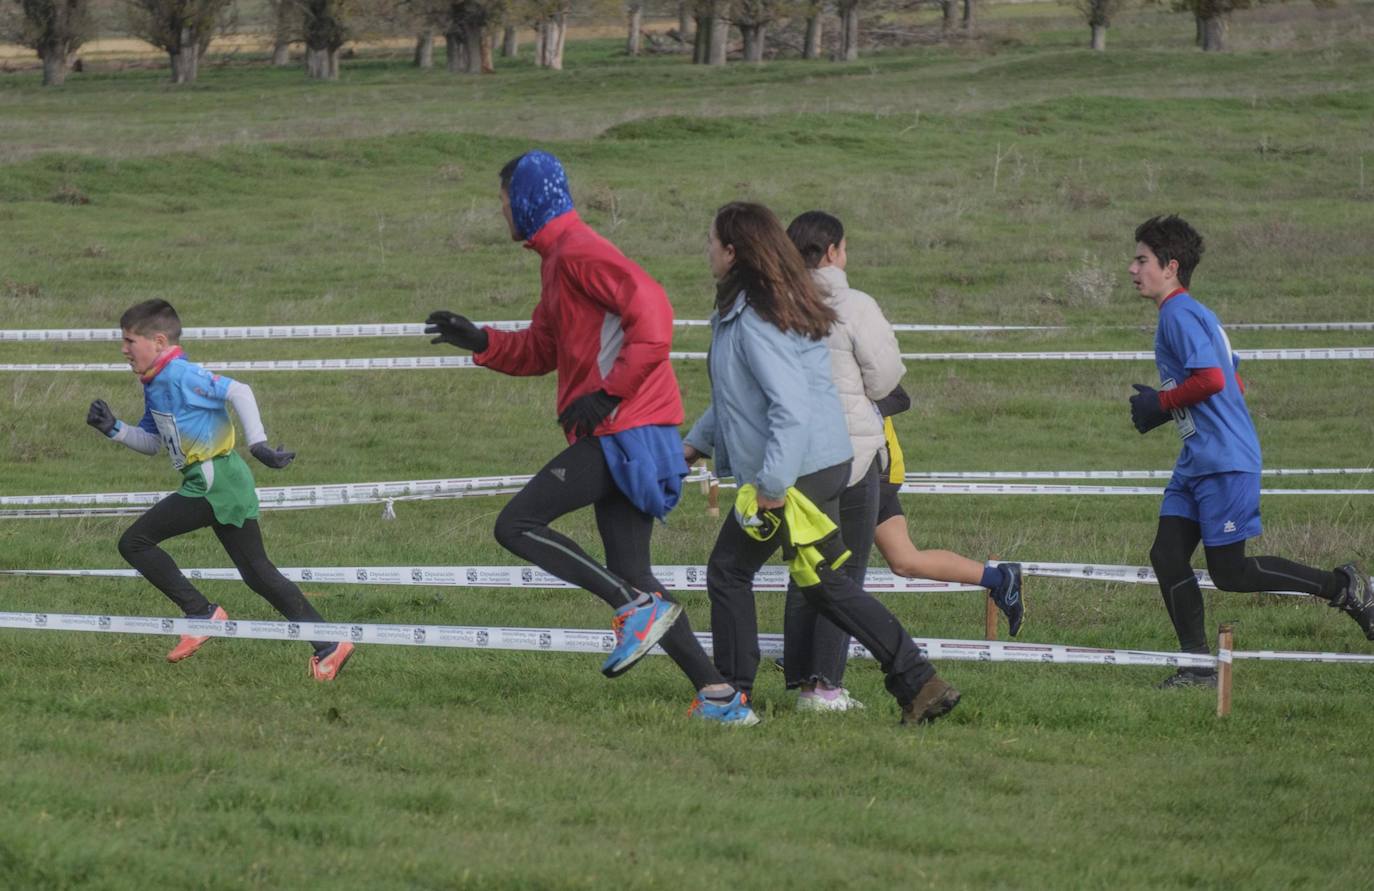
column 1225, row 505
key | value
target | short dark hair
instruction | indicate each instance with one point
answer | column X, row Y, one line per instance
column 508, row 172
column 152, row 317
column 814, row 232
column 1171, row 238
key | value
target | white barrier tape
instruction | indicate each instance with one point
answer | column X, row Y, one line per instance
column 569, row 640
column 957, row 488
column 1111, row 572
column 346, row 493
column 421, row 363
column 52, row 513
column 926, row 488
column 945, row 475
column 1335, row 353
column 565, row 640
column 407, row 329
column 333, row 492
column 675, row 577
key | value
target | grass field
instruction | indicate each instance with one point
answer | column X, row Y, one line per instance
column 991, row 181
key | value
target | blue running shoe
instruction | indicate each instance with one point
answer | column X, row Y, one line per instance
column 736, row 712
column 1007, row 596
column 637, row 629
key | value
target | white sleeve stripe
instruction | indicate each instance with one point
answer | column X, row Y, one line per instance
column 240, row 396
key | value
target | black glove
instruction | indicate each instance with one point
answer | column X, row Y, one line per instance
column 584, row 414
column 100, row 417
column 274, row 458
column 455, row 329
column 1146, row 412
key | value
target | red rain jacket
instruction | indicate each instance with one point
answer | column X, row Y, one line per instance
column 601, row 322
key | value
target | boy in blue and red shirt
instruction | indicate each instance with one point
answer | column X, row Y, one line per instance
column 1213, row 495
column 185, row 412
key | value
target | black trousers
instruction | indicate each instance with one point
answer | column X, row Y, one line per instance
column 177, row 515
column 1171, row 556
column 576, row 478
column 735, row 559
column 815, row 648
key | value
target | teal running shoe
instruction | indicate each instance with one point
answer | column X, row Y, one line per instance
column 637, row 629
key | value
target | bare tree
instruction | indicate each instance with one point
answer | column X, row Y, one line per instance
column 813, row 11
column 712, row 32
column 510, row 42
column 326, row 30
column 424, row 48
column 968, row 16
column 1099, row 15
column 286, row 30
column 465, row 24
column 181, row 28
column 753, row 17
column 634, row 11
column 848, row 11
column 54, row 29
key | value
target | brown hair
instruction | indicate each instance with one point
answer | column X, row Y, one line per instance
column 769, row 271
column 815, row 233
column 152, row 317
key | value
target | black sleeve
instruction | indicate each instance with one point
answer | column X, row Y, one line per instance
column 894, row 403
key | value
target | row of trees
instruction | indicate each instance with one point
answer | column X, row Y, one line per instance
column 183, row 29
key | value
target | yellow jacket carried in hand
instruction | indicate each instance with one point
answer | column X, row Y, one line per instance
column 810, row 538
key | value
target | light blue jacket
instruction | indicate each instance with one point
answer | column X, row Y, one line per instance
column 774, row 413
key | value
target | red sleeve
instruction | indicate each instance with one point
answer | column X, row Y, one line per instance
column 646, row 318
column 1202, row 383
column 531, row 351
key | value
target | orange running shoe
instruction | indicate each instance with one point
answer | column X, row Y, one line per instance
column 188, row 644
column 328, row 666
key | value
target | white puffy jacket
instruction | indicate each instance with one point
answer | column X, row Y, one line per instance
column 864, row 360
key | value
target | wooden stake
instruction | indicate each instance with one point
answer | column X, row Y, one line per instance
column 990, row 614
column 713, row 498
column 1224, row 643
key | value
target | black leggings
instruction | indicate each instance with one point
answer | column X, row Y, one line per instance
column 577, row 477
column 815, row 650
column 1171, row 556
column 735, row 559
column 177, row 515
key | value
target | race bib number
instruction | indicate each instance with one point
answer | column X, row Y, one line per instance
column 1183, row 418
column 171, row 437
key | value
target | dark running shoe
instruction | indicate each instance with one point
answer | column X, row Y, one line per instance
column 1357, row 599
column 1007, row 596
column 935, row 699
column 1190, row 677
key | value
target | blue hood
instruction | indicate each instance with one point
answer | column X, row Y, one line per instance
column 538, row 192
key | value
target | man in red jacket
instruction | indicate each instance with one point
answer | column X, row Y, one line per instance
column 606, row 327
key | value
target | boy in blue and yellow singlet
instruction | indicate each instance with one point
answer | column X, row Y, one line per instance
column 1214, row 493
column 186, row 413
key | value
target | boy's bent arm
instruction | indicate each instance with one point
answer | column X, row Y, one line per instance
column 137, row 438
column 245, row 404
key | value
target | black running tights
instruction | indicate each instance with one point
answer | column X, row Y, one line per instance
column 1171, row 556
column 177, row 515
column 579, row 477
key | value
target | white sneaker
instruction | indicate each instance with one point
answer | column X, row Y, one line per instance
column 831, row 700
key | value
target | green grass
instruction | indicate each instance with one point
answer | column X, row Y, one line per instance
column 429, row 769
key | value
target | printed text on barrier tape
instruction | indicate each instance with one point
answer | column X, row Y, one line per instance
column 566, row 640
column 560, row 639
column 406, row 329
column 676, row 578
column 346, row 492
column 421, row 363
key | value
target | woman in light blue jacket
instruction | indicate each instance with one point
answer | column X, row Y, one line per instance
column 775, row 421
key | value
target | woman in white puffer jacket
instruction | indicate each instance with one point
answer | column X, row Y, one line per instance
column 866, row 365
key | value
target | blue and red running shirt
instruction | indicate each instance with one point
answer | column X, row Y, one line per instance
column 185, row 409
column 1218, row 435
